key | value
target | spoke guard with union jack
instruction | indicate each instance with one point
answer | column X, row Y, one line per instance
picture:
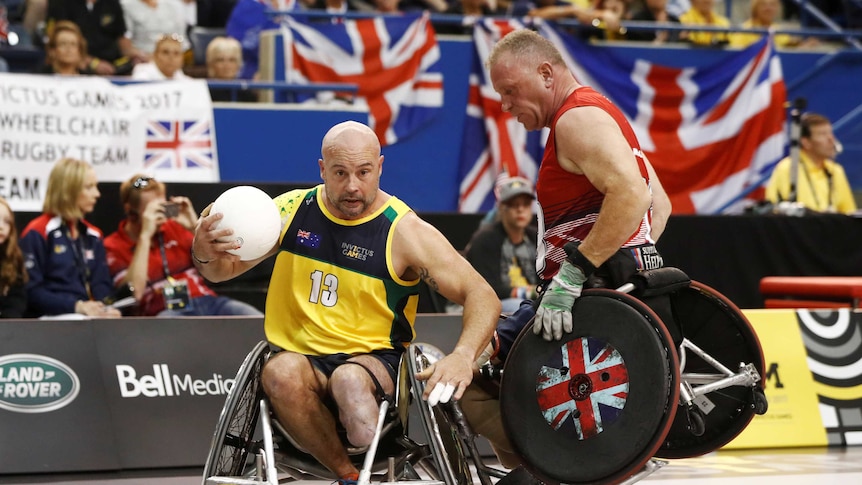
column 583, row 388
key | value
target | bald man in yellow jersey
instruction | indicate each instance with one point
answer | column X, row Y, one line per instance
column 344, row 289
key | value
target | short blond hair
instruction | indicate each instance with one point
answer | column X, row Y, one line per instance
column 222, row 45
column 525, row 43
column 65, row 184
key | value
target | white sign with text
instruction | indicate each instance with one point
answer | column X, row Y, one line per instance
column 164, row 129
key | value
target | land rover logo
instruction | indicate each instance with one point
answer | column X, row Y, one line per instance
column 31, row 383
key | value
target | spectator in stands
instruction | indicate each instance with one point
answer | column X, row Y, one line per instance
column 150, row 253
column 148, row 21
column 604, row 16
column 764, row 14
column 13, row 276
column 701, row 13
column 66, row 51
column 654, row 11
column 358, row 307
column 504, row 252
column 167, row 61
column 821, row 184
column 63, row 253
column 110, row 52
column 224, row 60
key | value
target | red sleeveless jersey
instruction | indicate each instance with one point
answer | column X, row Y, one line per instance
column 569, row 203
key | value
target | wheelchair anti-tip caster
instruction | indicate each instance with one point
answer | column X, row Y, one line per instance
column 695, row 419
column 759, row 403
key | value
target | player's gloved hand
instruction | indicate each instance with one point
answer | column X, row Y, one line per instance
column 554, row 315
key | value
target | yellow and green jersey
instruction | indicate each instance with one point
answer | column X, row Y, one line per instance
column 333, row 288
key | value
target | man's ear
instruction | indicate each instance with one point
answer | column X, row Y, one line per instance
column 547, row 73
column 322, row 172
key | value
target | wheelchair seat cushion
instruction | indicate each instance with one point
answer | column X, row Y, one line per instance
column 660, row 281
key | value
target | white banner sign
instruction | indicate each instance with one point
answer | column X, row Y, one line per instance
column 164, row 129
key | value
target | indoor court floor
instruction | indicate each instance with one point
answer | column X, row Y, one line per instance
column 790, row 466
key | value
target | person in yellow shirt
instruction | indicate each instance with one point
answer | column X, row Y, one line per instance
column 701, row 13
column 821, row 184
column 763, row 16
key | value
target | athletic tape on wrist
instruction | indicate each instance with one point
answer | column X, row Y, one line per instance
column 574, row 256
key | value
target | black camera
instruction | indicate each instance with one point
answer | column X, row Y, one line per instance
column 171, row 209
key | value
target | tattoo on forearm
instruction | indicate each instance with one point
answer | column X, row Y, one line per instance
column 426, row 277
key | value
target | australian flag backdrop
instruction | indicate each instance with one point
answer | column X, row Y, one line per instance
column 712, row 132
column 394, row 61
column 495, row 144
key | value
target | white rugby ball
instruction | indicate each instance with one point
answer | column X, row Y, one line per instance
column 254, row 218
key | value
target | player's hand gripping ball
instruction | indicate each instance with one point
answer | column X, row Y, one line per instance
column 254, row 218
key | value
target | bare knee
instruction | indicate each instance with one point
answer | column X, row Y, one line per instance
column 286, row 377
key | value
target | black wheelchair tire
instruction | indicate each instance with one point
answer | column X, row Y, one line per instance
column 717, row 326
column 234, row 434
column 447, row 448
column 622, row 448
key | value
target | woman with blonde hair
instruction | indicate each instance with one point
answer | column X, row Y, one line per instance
column 13, row 298
column 224, row 62
column 65, row 254
column 66, row 51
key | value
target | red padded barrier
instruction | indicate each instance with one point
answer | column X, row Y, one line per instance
column 811, row 291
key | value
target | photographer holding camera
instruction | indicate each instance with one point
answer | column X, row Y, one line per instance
column 150, row 253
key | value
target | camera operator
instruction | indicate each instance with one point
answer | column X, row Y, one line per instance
column 820, row 183
column 150, row 254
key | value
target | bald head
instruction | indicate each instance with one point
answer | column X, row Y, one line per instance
column 350, row 167
column 349, row 137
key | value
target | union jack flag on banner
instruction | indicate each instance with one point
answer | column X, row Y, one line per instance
column 173, row 144
column 394, row 61
column 713, row 132
column 495, row 144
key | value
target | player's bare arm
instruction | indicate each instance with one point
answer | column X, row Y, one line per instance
column 589, row 142
column 661, row 205
column 420, row 250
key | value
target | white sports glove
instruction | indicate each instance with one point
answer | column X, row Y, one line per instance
column 554, row 315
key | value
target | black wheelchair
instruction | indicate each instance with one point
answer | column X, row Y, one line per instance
column 661, row 368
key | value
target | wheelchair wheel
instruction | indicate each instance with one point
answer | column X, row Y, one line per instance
column 716, row 325
column 596, row 405
column 442, row 434
column 233, row 438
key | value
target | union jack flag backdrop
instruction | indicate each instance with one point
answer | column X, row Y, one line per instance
column 712, row 132
column 393, row 60
column 174, row 144
column 495, row 144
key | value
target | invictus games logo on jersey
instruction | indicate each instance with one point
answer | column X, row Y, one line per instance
column 356, row 252
column 31, row 383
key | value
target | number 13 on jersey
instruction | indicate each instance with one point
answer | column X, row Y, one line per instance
column 324, row 289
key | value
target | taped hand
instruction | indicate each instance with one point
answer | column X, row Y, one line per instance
column 554, row 315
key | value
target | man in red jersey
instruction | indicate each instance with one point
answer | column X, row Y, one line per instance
column 601, row 205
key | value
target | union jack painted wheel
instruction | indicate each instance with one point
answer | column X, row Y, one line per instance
column 596, row 405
